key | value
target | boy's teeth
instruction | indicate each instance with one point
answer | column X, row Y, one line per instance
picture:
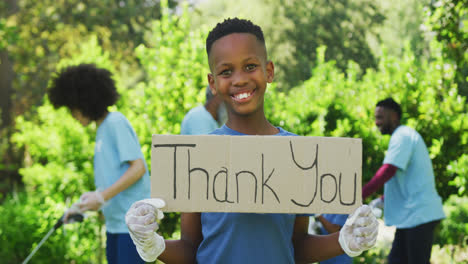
column 242, row 95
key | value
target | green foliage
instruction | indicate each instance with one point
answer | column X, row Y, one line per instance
column 26, row 220
column 459, row 168
column 170, row 79
column 342, row 26
column 404, row 23
column 59, row 151
column 454, row 229
column 449, row 20
column 295, row 29
column 51, row 30
column 331, row 103
column 375, row 255
column 58, row 170
column 8, row 34
column 175, row 66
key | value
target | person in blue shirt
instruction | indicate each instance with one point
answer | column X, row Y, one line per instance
column 240, row 72
column 203, row 119
column 120, row 172
column 411, row 202
column 332, row 223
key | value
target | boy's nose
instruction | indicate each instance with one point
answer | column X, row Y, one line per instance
column 239, row 79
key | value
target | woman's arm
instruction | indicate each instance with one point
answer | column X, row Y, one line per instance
column 94, row 200
column 132, row 174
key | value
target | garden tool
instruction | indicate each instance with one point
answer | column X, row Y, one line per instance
column 76, row 217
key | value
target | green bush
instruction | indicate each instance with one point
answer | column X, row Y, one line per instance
column 175, row 67
column 26, row 219
column 332, row 103
column 454, row 229
column 58, row 150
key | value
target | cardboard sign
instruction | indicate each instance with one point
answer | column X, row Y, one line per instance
column 257, row 174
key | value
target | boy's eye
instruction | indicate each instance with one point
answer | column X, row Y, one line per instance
column 225, row 72
column 251, row 67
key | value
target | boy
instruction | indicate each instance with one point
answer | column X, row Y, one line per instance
column 120, row 173
column 239, row 74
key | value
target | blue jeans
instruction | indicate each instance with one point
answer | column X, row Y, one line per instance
column 121, row 250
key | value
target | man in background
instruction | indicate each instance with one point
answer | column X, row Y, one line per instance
column 411, row 202
column 203, row 119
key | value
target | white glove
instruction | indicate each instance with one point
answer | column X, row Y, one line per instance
column 74, row 209
column 91, row 201
column 141, row 221
column 377, row 207
column 377, row 203
column 360, row 231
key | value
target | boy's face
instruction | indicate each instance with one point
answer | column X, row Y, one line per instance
column 240, row 72
column 84, row 121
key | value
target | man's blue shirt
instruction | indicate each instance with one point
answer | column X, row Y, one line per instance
column 411, row 198
column 198, row 121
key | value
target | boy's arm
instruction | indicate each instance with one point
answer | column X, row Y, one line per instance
column 185, row 249
column 359, row 233
column 312, row 248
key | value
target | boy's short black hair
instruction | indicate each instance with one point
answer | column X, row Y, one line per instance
column 389, row 103
column 233, row 25
column 84, row 87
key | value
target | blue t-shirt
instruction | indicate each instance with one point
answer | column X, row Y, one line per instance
column 337, row 219
column 411, row 198
column 246, row 237
column 116, row 144
column 198, row 121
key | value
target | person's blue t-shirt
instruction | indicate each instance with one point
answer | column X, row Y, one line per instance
column 198, row 121
column 337, row 219
column 411, row 198
column 116, row 144
column 246, row 237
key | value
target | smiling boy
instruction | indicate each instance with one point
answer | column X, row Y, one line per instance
column 240, row 72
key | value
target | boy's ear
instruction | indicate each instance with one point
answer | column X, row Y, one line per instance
column 270, row 71
column 211, row 82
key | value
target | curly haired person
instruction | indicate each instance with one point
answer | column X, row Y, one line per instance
column 120, row 172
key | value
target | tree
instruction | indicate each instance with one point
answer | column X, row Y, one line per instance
column 449, row 20
column 341, row 26
column 50, row 30
column 295, row 29
column 46, row 26
column 404, row 25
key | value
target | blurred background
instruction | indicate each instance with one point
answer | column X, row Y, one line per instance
column 334, row 60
